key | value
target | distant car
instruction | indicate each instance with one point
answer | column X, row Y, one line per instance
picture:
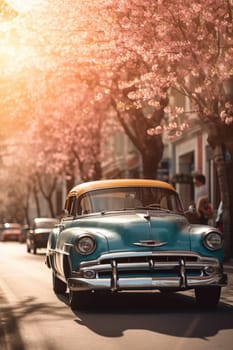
column 10, row 232
column 132, row 234
column 37, row 237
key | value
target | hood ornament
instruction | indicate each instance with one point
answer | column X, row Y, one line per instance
column 144, row 216
column 150, row 243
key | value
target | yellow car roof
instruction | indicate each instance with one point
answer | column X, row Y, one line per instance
column 114, row 183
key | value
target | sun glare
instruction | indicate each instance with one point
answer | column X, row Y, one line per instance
column 25, row 5
column 16, row 51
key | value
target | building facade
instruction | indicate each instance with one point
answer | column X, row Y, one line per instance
column 191, row 154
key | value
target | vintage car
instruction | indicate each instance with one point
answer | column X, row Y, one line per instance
column 10, row 232
column 132, row 234
column 37, row 236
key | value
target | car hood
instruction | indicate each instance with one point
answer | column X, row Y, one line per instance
column 140, row 230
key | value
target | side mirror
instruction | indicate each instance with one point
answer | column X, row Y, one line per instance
column 191, row 214
column 64, row 213
column 192, row 208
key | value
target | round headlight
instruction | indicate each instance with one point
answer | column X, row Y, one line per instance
column 213, row 241
column 85, row 245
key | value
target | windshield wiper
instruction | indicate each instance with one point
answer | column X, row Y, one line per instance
column 153, row 207
column 148, row 207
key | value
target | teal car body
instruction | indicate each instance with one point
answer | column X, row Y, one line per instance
column 132, row 234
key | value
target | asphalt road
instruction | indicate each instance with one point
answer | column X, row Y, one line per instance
column 33, row 318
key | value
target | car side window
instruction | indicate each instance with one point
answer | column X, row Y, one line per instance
column 70, row 205
column 84, row 206
column 164, row 203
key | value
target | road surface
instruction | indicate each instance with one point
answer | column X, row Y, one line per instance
column 32, row 317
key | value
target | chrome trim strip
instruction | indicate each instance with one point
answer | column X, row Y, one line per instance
column 60, row 251
column 79, row 284
column 129, row 254
column 68, row 245
column 150, row 243
column 183, row 280
column 114, row 279
column 148, row 265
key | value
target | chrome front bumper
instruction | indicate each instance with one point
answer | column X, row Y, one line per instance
column 207, row 272
column 78, row 284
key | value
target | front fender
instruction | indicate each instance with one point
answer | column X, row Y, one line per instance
column 66, row 245
column 53, row 237
column 51, row 246
column 197, row 234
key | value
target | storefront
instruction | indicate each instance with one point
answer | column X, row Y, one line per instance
column 192, row 154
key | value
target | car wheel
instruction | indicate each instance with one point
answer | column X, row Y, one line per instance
column 34, row 249
column 208, row 297
column 79, row 300
column 59, row 286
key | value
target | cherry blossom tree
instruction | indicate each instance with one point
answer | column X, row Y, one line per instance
column 155, row 46
column 148, row 48
column 137, row 51
column 15, row 191
column 132, row 54
column 197, row 48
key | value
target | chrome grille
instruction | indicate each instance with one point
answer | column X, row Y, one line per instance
column 155, row 269
column 158, row 258
column 149, row 264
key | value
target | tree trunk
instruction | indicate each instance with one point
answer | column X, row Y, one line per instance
column 97, row 175
column 224, row 193
column 35, row 193
column 150, row 147
column 26, row 206
column 47, row 189
column 26, row 215
column 51, row 208
column 151, row 156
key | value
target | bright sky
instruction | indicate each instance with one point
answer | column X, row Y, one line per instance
column 24, row 5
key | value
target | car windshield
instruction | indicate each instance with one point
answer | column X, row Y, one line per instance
column 45, row 224
column 123, row 198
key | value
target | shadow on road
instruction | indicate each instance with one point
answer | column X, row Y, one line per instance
column 10, row 317
column 173, row 314
column 9, row 329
